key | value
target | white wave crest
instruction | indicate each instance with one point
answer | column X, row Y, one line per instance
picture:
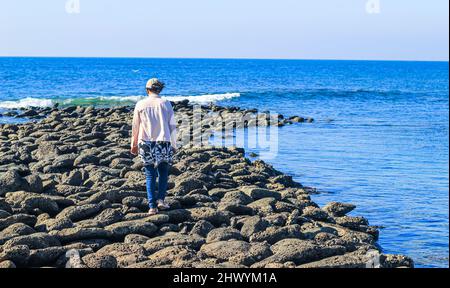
column 102, row 99
column 109, row 100
column 208, row 98
column 26, row 102
column 204, row 98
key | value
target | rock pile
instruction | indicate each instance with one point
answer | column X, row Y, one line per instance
column 71, row 195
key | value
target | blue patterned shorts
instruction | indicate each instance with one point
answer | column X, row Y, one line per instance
column 155, row 153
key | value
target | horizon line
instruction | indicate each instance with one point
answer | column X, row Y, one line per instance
column 231, row 58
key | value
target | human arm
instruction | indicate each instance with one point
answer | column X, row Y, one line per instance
column 135, row 132
column 172, row 127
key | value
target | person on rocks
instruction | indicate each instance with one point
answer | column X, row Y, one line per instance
column 154, row 139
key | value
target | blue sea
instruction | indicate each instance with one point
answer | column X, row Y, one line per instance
column 380, row 139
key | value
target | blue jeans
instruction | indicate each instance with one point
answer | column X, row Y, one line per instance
column 151, row 173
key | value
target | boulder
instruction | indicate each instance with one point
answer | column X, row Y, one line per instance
column 46, row 149
column 201, row 228
column 353, row 223
column 108, row 217
column 88, row 244
column 175, row 256
column 219, row 192
column 263, row 206
column 121, row 229
column 281, row 206
column 77, row 233
column 278, row 219
column 223, row 234
column 253, row 225
column 275, row 234
column 194, row 199
column 211, row 215
column 30, row 220
column 138, row 202
column 46, row 256
column 223, row 250
column 100, row 261
column 235, row 208
column 86, row 159
column 29, row 202
column 315, row 213
column 337, row 209
column 17, row 254
column 33, row 241
column 5, row 206
column 34, row 183
column 396, row 261
column 173, row 239
column 178, row 215
column 126, row 254
column 11, row 181
column 257, row 193
column 7, row 264
column 237, row 252
column 186, row 184
column 157, row 219
column 73, row 178
column 237, row 197
column 361, row 258
column 257, row 252
column 136, row 239
column 65, row 161
column 54, row 224
column 79, row 212
column 299, row 252
column 17, row 229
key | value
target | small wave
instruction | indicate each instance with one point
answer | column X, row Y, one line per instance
column 101, row 100
column 204, row 98
column 110, row 100
column 26, row 102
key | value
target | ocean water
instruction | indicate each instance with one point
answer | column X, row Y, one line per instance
column 380, row 139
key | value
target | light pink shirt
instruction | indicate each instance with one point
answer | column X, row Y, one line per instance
column 154, row 120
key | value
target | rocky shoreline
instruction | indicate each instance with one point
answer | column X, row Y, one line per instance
column 71, row 195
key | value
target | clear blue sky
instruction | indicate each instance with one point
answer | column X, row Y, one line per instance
column 302, row 29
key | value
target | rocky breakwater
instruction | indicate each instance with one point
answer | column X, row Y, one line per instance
column 71, row 195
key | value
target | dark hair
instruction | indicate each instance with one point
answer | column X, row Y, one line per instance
column 156, row 87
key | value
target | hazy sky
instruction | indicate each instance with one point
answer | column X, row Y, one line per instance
column 303, row 29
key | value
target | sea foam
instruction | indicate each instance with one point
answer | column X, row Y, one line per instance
column 26, row 102
column 111, row 100
column 204, row 98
